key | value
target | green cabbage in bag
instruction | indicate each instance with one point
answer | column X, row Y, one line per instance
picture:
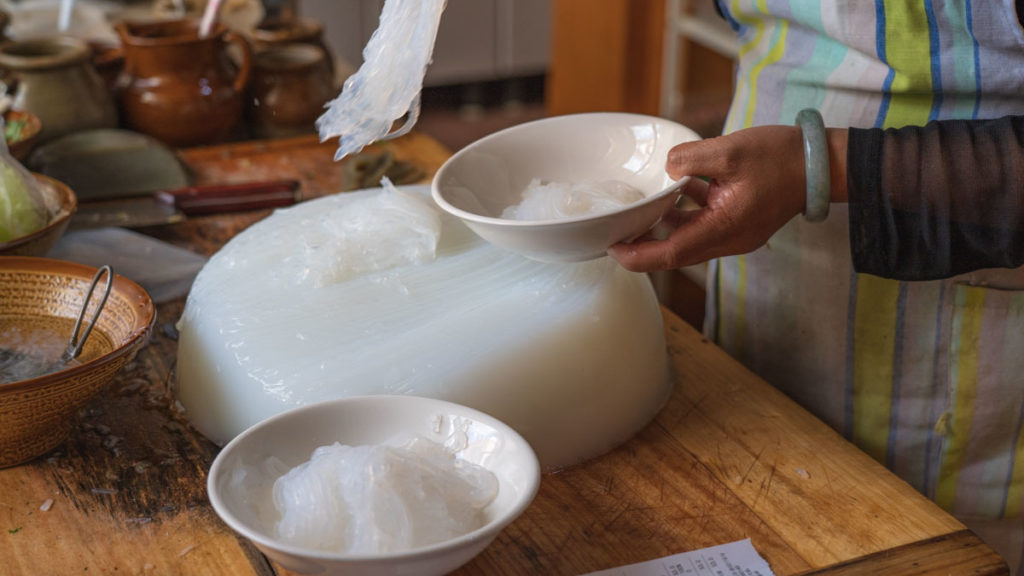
column 21, row 207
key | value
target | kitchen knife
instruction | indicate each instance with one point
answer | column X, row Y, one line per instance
column 171, row 206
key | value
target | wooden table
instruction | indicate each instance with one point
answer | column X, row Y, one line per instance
column 728, row 458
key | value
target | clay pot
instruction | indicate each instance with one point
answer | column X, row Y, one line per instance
column 280, row 31
column 290, row 86
column 178, row 87
column 5, row 19
column 55, row 80
column 285, row 9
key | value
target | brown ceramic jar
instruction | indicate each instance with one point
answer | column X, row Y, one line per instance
column 178, row 87
column 291, row 84
column 281, row 31
column 54, row 79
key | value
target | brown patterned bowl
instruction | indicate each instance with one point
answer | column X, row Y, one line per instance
column 40, row 299
column 61, row 203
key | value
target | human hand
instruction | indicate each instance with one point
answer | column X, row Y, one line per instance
column 755, row 185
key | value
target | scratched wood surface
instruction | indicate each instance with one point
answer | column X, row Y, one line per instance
column 728, row 458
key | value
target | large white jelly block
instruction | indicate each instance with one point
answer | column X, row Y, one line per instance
column 571, row 355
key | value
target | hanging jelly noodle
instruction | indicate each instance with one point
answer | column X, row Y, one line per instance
column 387, row 85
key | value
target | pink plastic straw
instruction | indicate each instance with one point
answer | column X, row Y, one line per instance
column 209, row 17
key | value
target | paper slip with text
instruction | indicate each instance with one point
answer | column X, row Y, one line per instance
column 733, row 559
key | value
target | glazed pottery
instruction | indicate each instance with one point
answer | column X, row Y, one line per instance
column 61, row 204
column 239, row 491
column 284, row 9
column 55, row 80
column 108, row 60
column 110, row 163
column 479, row 182
column 178, row 87
column 291, row 83
column 284, row 30
column 39, row 301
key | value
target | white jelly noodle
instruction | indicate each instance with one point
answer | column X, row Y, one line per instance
column 378, row 292
column 388, row 83
column 385, row 498
column 549, row 200
column 371, row 233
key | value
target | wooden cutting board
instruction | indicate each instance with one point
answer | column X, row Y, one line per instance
column 729, row 457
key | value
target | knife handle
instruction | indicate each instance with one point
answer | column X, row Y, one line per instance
column 220, row 198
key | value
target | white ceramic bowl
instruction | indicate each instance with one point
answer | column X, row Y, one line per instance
column 292, row 436
column 481, row 180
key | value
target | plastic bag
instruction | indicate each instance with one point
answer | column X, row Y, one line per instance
column 388, row 84
column 164, row 270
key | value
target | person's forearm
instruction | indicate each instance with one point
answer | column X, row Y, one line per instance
column 939, row 200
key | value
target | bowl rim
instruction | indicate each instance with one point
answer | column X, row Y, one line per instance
column 31, row 120
column 132, row 341
column 440, row 200
column 68, row 205
column 484, row 533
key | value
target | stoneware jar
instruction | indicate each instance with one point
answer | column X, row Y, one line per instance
column 291, row 83
column 178, row 87
column 5, row 19
column 283, row 30
column 54, row 79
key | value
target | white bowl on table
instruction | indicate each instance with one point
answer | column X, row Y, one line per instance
column 477, row 183
column 246, row 506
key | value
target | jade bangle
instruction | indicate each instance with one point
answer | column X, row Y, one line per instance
column 816, row 166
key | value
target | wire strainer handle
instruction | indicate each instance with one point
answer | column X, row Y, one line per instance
column 75, row 344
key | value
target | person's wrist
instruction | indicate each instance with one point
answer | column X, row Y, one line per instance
column 837, row 139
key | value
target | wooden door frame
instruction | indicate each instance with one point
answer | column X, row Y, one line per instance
column 606, row 55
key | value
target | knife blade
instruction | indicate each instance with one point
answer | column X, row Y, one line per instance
column 172, row 206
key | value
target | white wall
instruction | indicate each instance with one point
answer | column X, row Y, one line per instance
column 478, row 39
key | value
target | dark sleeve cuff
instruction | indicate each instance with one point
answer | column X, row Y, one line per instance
column 872, row 232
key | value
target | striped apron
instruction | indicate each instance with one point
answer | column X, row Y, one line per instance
column 926, row 377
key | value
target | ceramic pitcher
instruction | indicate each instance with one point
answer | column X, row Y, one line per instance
column 54, row 79
column 178, row 87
